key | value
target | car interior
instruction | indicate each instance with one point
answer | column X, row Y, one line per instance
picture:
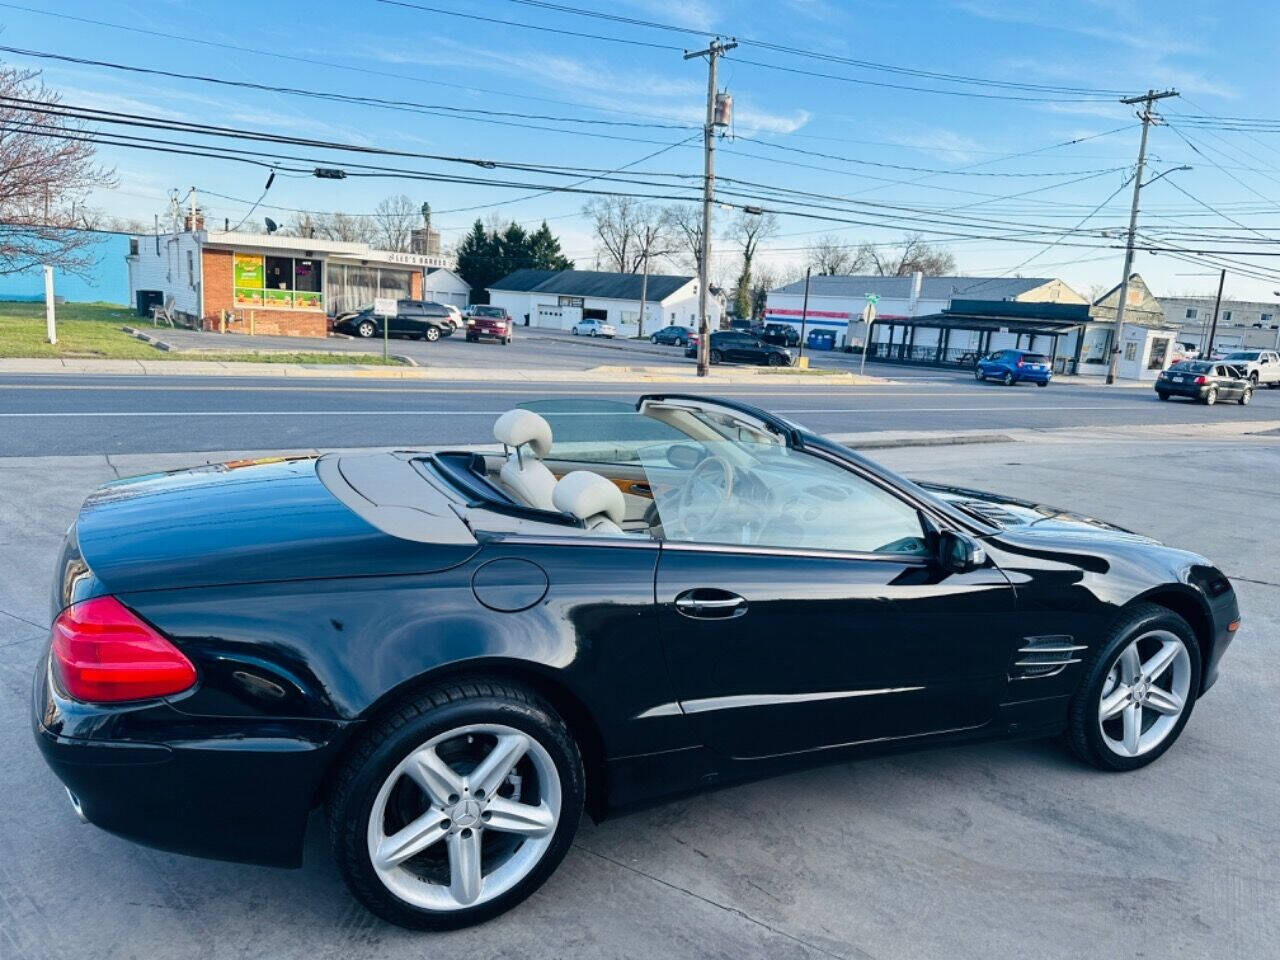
column 698, row 476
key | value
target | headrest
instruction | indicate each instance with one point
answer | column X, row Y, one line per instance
column 585, row 494
column 517, row 427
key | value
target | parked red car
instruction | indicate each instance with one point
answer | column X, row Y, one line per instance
column 487, row 321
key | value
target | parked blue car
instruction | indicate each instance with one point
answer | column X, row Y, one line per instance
column 1015, row 366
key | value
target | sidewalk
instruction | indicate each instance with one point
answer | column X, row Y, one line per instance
column 602, row 374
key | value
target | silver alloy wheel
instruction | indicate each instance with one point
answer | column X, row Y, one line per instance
column 1143, row 699
column 462, row 809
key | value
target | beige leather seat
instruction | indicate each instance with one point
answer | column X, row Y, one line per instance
column 592, row 499
column 527, row 439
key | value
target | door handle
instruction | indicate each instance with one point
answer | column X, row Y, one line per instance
column 707, row 604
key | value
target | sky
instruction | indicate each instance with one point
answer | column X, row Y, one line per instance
column 803, row 121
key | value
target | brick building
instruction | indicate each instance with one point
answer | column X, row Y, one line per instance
column 272, row 284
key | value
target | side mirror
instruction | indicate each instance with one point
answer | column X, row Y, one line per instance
column 959, row 552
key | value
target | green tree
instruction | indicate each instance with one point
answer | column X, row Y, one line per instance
column 477, row 261
column 513, row 249
column 544, row 250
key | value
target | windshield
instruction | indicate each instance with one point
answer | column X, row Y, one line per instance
column 487, row 311
column 1242, row 355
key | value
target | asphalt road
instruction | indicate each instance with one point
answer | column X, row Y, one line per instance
column 975, row 853
column 47, row 415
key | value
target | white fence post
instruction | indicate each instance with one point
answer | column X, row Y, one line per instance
column 49, row 322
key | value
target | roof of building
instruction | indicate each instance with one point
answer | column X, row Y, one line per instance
column 931, row 288
column 590, row 283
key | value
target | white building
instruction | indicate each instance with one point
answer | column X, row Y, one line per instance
column 560, row 298
column 1242, row 324
column 836, row 303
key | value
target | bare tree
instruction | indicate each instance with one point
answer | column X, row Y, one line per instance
column 394, row 220
column 749, row 231
column 913, row 254
column 302, row 223
column 43, row 178
column 620, row 223
column 827, row 256
column 684, row 222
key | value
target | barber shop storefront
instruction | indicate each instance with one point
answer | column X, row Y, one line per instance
column 233, row 282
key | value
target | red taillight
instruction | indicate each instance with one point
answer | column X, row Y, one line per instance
column 1200, row 380
column 1019, row 363
column 104, row 653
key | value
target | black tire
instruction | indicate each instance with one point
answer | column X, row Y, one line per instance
column 1253, row 378
column 1084, row 733
column 1246, row 397
column 979, row 375
column 471, row 339
column 654, row 339
column 1042, row 383
column 715, row 356
column 431, row 334
column 1162, row 394
column 506, row 342
column 1007, row 379
column 366, row 329
column 1211, row 397
column 775, row 360
column 399, row 731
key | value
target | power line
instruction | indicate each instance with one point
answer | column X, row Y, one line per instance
column 796, row 51
column 310, row 61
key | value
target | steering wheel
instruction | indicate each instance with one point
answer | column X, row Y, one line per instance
column 693, row 512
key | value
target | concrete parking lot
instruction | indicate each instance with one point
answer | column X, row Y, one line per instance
column 1010, row 850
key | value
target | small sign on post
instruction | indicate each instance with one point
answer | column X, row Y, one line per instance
column 868, row 318
column 384, row 307
column 50, row 321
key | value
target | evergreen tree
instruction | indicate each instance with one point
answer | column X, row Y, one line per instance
column 742, row 297
column 544, row 250
column 475, row 259
column 513, row 249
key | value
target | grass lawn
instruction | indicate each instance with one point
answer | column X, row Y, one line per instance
column 93, row 331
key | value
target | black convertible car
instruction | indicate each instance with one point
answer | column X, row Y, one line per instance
column 456, row 653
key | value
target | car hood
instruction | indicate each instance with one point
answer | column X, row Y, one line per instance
column 1027, row 518
column 238, row 522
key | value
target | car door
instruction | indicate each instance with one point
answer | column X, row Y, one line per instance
column 824, row 621
column 1228, row 383
column 407, row 318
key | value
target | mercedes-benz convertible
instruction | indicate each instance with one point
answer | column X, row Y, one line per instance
column 456, row 653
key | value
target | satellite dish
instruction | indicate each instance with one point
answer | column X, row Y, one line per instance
column 271, row 225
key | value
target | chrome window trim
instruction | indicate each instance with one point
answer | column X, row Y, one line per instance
column 912, row 559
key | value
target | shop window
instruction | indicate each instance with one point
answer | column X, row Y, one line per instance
column 1226, row 316
column 1159, row 350
column 278, row 281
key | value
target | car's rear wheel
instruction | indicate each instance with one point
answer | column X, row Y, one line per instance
column 715, row 356
column 1246, row 396
column 1162, row 394
column 366, row 328
column 431, row 334
column 1008, row 378
column 1138, row 691
column 456, row 805
column 1211, row 397
column 774, row 360
column 1042, row 383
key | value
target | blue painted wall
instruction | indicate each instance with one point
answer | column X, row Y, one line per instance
column 106, row 281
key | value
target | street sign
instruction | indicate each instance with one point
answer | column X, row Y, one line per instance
column 384, row 306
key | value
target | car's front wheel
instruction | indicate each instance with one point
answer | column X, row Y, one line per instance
column 775, row 360
column 366, row 328
column 1137, row 692
column 979, row 375
column 715, row 356
column 1008, row 378
column 1246, row 396
column 456, row 805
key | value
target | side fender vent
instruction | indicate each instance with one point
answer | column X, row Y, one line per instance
column 1045, row 656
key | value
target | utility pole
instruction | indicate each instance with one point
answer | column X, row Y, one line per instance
column 804, row 311
column 1145, row 116
column 1217, row 305
column 644, row 290
column 714, row 51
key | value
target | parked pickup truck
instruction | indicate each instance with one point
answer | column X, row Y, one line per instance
column 1260, row 366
